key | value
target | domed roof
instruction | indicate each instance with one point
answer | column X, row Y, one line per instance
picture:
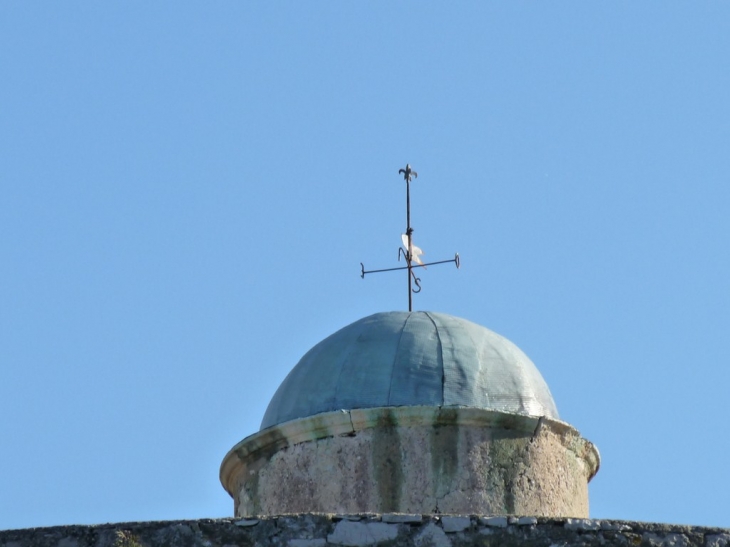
column 411, row 359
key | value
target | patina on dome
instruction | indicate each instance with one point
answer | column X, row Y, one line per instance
column 411, row 359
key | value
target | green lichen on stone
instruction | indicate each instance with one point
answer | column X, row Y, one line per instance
column 505, row 457
column 387, row 460
column 125, row 538
column 444, row 441
column 264, row 454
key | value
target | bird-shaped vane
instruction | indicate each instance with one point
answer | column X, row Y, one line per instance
column 410, row 252
column 414, row 251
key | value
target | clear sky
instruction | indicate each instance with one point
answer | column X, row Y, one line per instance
column 187, row 191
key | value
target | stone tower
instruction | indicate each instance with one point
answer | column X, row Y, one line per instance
column 412, row 412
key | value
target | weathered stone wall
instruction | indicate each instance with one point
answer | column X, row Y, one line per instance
column 389, row 530
column 413, row 460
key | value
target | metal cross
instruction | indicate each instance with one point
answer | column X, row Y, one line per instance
column 411, row 252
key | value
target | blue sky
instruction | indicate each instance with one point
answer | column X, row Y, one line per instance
column 187, row 191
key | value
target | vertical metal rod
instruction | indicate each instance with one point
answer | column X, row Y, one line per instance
column 408, row 233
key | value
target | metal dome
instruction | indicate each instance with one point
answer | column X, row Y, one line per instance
column 411, row 359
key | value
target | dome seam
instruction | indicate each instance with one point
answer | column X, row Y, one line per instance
column 441, row 353
column 336, row 395
column 395, row 357
column 482, row 373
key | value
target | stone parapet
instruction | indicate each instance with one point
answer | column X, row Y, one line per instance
column 392, row 530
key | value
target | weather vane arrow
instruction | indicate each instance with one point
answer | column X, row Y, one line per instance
column 409, row 251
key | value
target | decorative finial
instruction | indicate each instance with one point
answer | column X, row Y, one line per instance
column 409, row 251
column 408, row 173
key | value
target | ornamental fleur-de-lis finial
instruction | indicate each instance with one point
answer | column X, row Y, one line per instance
column 408, row 173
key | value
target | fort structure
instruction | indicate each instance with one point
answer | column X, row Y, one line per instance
column 402, row 429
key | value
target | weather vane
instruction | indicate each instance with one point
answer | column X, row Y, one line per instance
column 409, row 251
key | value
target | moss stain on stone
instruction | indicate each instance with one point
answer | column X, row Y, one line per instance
column 388, row 461
column 252, row 490
column 278, row 442
column 444, row 440
column 505, row 455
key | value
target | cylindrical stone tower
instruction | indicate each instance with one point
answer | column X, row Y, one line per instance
column 412, row 412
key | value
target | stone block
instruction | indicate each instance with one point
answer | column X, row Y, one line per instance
column 400, row 518
column 582, row 524
column 717, row 540
column 652, row 539
column 356, row 534
column 307, row 543
column 495, row 522
column 432, row 536
column 455, row 524
column 675, row 540
column 614, row 526
column 245, row 523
